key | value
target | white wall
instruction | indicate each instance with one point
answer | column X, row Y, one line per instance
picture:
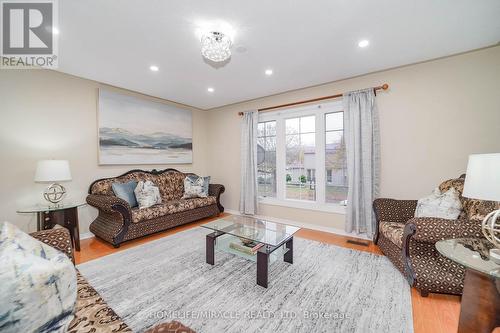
column 46, row 114
column 433, row 116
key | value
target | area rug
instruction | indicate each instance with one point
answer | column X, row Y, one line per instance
column 327, row 289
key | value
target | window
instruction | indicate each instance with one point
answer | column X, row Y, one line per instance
column 266, row 158
column 328, row 176
column 335, row 158
column 301, row 157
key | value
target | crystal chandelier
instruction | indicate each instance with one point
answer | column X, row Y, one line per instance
column 215, row 46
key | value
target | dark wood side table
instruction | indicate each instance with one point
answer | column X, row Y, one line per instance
column 480, row 305
column 65, row 214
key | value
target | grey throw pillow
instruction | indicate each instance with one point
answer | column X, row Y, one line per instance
column 196, row 187
column 125, row 191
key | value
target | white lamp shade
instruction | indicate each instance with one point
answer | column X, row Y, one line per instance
column 483, row 177
column 52, row 171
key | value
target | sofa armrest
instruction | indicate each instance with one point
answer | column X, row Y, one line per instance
column 58, row 238
column 108, row 203
column 216, row 190
column 112, row 209
column 432, row 229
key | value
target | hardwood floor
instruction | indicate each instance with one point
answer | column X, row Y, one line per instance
column 433, row 314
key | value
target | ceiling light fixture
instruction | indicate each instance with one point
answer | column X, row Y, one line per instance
column 154, row 68
column 210, row 90
column 215, row 46
column 363, row 43
column 269, row 72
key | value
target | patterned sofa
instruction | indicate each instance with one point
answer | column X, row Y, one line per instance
column 117, row 222
column 92, row 314
column 409, row 242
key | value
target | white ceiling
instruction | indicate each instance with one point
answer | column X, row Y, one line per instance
column 305, row 42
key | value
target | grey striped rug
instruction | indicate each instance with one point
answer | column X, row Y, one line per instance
column 327, row 289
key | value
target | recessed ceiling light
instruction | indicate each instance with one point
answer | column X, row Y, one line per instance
column 210, row 90
column 363, row 43
column 269, row 72
column 154, row 68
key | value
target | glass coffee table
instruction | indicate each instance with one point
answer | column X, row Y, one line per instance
column 253, row 239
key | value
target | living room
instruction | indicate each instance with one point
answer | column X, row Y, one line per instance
column 250, row 166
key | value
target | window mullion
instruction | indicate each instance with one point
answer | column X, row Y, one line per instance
column 280, row 158
column 320, row 157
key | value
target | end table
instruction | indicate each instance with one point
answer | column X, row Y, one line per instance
column 64, row 214
column 480, row 305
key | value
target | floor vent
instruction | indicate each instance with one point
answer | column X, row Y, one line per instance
column 358, row 243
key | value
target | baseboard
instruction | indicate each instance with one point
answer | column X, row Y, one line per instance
column 85, row 235
column 304, row 225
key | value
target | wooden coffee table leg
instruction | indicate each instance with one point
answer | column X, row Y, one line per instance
column 262, row 268
column 288, row 257
column 210, row 251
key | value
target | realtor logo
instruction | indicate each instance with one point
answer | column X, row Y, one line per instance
column 29, row 38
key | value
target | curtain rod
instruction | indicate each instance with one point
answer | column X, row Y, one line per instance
column 385, row 86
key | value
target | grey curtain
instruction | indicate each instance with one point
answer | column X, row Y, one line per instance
column 248, row 191
column 363, row 159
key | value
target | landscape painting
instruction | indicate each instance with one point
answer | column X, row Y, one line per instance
column 137, row 131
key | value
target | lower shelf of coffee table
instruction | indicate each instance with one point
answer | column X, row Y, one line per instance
column 223, row 244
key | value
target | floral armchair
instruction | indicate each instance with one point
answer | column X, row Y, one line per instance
column 409, row 242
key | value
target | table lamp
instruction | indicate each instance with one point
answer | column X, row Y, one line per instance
column 483, row 182
column 53, row 171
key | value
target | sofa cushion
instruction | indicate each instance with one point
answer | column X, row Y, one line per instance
column 196, row 187
column 476, row 210
column 37, row 284
column 170, row 207
column 472, row 209
column 170, row 183
column 125, row 191
column 445, row 205
column 393, row 231
column 456, row 183
column 147, row 194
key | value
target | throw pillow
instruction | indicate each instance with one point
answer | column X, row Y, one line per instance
column 196, row 187
column 125, row 191
column 37, row 284
column 442, row 205
column 147, row 194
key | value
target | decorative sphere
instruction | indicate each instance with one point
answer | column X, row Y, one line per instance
column 491, row 227
column 54, row 193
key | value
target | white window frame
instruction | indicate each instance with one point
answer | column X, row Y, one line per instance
column 319, row 111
